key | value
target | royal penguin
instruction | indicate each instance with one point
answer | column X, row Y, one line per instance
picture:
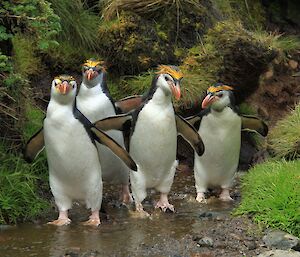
column 95, row 102
column 220, row 126
column 73, row 160
column 153, row 140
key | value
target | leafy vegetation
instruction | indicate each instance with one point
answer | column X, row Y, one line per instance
column 270, row 194
column 284, row 138
column 21, row 186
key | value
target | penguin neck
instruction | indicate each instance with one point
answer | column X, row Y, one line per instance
column 65, row 105
column 92, row 87
column 159, row 97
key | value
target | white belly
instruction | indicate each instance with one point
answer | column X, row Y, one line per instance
column 154, row 142
column 73, row 161
column 221, row 135
column 96, row 107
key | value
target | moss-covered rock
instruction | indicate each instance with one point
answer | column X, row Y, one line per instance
column 230, row 54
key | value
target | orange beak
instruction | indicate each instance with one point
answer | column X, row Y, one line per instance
column 175, row 88
column 208, row 100
column 64, row 88
column 90, row 74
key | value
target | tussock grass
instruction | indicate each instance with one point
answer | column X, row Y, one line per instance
column 79, row 24
column 112, row 8
column 20, row 188
column 284, row 138
column 270, row 194
column 278, row 41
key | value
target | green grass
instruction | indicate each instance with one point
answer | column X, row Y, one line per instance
column 34, row 120
column 284, row 138
column 270, row 195
column 21, row 186
column 79, row 24
column 25, row 60
column 277, row 41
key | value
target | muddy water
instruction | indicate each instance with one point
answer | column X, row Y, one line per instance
column 119, row 234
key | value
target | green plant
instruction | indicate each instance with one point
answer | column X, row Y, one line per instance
column 33, row 120
column 284, row 138
column 79, row 23
column 270, row 195
column 26, row 63
column 33, row 17
column 20, row 188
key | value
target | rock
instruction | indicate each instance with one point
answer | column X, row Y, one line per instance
column 281, row 240
column 210, row 215
column 206, row 242
column 279, row 253
column 269, row 74
column 251, row 245
column 293, row 64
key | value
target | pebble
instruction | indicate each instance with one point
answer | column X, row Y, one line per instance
column 281, row 240
column 206, row 242
column 279, row 253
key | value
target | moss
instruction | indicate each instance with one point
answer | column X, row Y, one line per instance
column 284, row 138
column 26, row 62
column 67, row 58
column 138, row 35
column 131, row 45
column 270, row 194
column 230, row 54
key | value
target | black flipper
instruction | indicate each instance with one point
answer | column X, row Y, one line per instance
column 252, row 123
column 130, row 103
column 120, row 122
column 34, row 146
column 190, row 134
column 106, row 140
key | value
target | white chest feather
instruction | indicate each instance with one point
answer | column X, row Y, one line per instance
column 154, row 140
column 72, row 157
column 221, row 135
column 94, row 104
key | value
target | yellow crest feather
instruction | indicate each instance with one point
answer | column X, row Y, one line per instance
column 165, row 69
column 213, row 89
column 92, row 63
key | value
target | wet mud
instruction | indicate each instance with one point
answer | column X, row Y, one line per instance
column 194, row 230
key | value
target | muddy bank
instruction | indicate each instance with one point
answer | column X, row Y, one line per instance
column 184, row 233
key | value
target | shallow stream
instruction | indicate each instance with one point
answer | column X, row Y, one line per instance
column 119, row 234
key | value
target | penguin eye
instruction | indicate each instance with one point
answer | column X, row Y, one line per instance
column 167, row 78
column 220, row 95
column 73, row 83
column 57, row 81
column 85, row 67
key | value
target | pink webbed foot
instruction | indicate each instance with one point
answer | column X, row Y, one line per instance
column 164, row 204
column 60, row 222
column 94, row 220
column 201, row 198
column 225, row 195
column 139, row 212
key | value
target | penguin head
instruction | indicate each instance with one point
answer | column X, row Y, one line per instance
column 218, row 97
column 64, row 88
column 91, row 71
column 168, row 79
